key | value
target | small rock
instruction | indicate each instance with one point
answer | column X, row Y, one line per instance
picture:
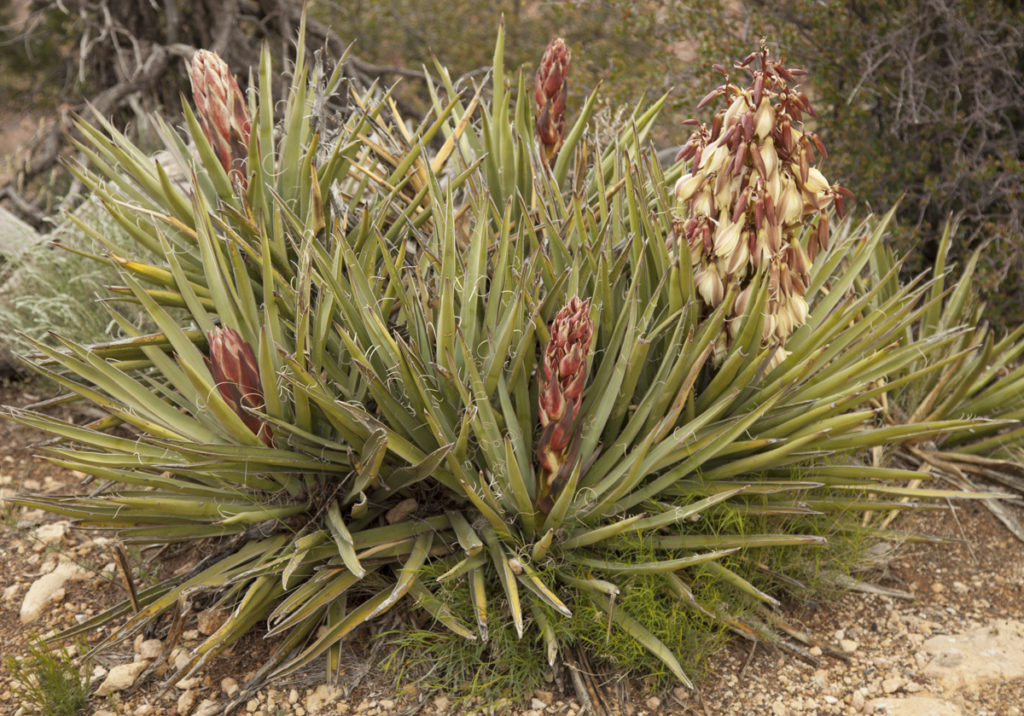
column 208, row 707
column 50, row 533
column 150, row 649
column 548, row 697
column 848, row 645
column 186, row 701
column 48, row 588
column 814, row 651
column 103, row 712
column 892, row 685
column 209, row 620
column 145, row 710
column 190, row 683
column 960, row 588
column 779, row 709
column 320, row 697
column 938, row 587
column 190, row 634
column 857, row 700
column 121, row 677
column 11, row 593
column 653, row 703
column 229, row 686
column 180, row 658
column 293, row 696
column 441, row 703
column 537, row 704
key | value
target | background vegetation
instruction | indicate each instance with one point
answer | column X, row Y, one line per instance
column 918, row 100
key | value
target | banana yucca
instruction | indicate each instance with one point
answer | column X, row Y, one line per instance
column 503, row 413
column 751, row 188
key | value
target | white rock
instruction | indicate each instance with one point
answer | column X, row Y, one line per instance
column 857, row 700
column 892, row 685
column 208, row 707
column 848, row 645
column 916, row 706
column 150, row 649
column 103, row 712
column 320, row 697
column 537, row 705
column 229, row 686
column 180, row 658
column 993, row 652
column 121, row 677
column 145, row 710
column 51, row 533
column 11, row 593
column 48, row 588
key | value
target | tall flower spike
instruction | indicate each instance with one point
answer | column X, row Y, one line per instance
column 237, row 376
column 560, row 397
column 750, row 193
column 550, row 92
column 222, row 111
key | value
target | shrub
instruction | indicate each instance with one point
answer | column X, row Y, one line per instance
column 486, row 380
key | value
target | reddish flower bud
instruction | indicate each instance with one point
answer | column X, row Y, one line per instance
column 550, row 93
column 561, row 395
column 236, row 373
column 222, row 112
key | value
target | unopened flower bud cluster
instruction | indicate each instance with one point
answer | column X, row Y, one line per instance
column 750, row 189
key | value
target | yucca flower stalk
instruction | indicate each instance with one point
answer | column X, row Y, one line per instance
column 222, row 112
column 551, row 88
column 235, row 371
column 560, row 397
column 751, row 190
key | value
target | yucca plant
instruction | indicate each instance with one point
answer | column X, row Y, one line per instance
column 471, row 376
column 981, row 376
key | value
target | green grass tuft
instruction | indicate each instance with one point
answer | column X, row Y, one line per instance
column 48, row 682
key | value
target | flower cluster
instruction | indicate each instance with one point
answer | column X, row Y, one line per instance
column 235, row 371
column 750, row 191
column 561, row 395
column 222, row 112
column 550, row 91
